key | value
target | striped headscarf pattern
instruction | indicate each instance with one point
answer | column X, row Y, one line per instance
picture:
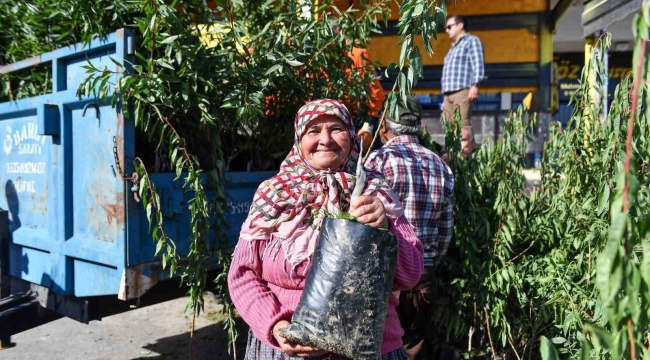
column 288, row 208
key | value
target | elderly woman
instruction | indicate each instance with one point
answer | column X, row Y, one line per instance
column 277, row 240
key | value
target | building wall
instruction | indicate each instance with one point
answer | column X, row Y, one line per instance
column 511, row 33
column 518, row 57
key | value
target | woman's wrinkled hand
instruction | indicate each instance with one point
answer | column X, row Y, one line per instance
column 369, row 210
column 291, row 348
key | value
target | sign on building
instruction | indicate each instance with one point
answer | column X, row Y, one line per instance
column 569, row 69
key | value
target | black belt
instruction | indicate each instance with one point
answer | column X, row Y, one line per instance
column 452, row 92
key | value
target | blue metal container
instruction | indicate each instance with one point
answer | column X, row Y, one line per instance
column 77, row 230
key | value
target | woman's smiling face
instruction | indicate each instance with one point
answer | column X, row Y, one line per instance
column 326, row 143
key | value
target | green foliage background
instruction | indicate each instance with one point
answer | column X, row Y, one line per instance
column 564, row 263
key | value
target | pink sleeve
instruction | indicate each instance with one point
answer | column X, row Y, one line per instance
column 410, row 260
column 253, row 299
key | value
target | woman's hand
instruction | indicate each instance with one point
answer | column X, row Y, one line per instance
column 369, row 210
column 291, row 348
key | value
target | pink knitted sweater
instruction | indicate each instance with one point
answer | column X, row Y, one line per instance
column 264, row 292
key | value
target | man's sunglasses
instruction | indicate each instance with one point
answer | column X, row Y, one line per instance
column 450, row 26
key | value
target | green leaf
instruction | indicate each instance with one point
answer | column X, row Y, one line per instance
column 294, row 62
column 567, row 324
column 506, row 233
column 585, row 347
column 547, row 350
column 149, row 210
column 159, row 246
column 115, row 62
column 617, row 230
column 164, row 63
column 389, row 68
column 576, row 243
column 273, row 69
column 179, row 57
column 505, row 275
column 152, row 23
column 603, row 201
column 391, row 103
column 406, row 45
column 170, row 39
column 418, row 10
column 558, row 340
column 403, row 90
column 645, row 10
column 602, row 338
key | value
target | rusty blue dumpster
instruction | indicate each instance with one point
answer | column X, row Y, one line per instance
column 76, row 230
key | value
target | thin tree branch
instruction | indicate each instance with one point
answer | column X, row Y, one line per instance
column 487, row 325
column 626, row 189
column 513, row 348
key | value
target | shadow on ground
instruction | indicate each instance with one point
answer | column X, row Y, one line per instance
column 210, row 342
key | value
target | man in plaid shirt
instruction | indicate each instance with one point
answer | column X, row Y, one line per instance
column 462, row 73
column 425, row 185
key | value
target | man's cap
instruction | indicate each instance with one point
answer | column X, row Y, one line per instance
column 409, row 115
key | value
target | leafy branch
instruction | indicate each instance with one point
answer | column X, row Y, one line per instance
column 223, row 84
column 417, row 17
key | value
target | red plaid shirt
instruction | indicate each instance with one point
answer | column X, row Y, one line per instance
column 425, row 185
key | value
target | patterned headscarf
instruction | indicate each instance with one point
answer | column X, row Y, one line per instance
column 288, row 208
